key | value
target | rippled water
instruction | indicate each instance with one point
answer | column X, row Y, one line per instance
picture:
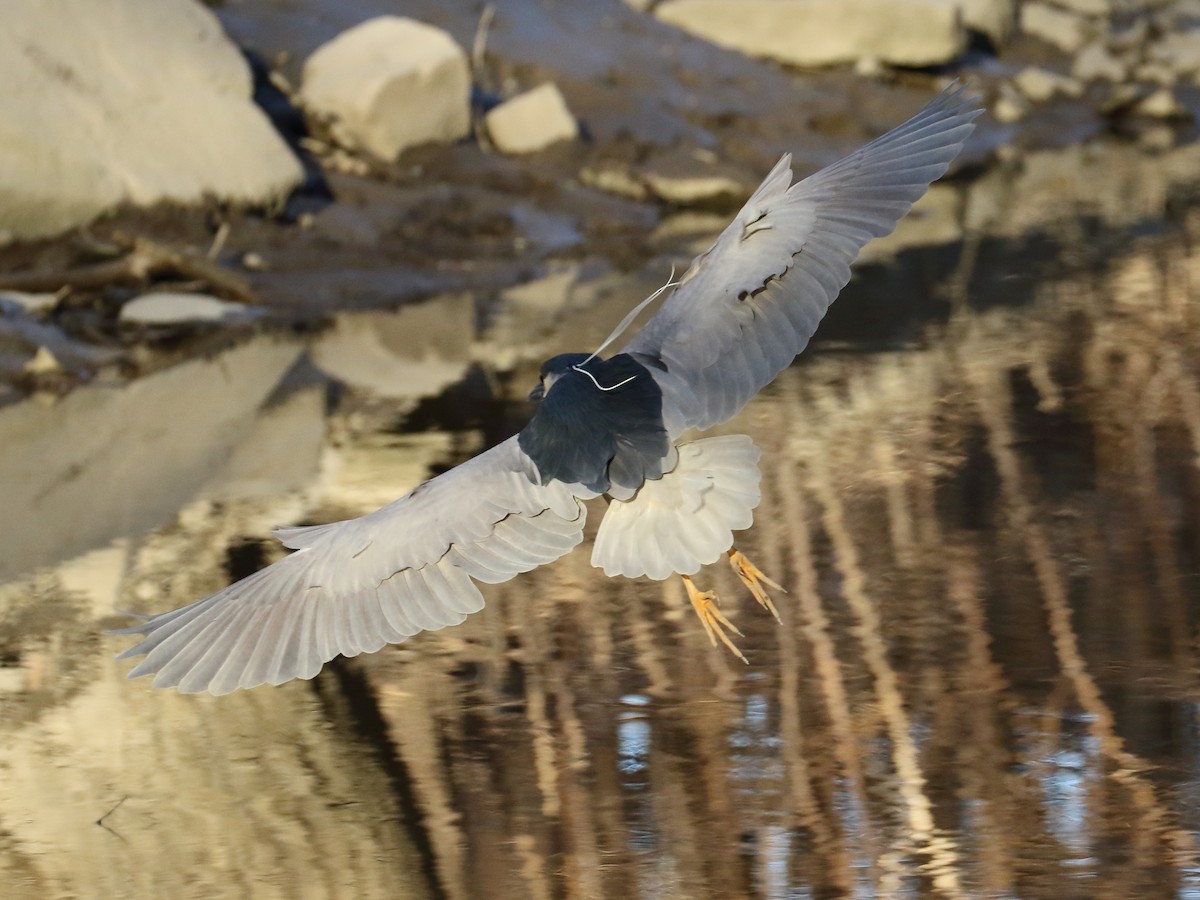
column 984, row 683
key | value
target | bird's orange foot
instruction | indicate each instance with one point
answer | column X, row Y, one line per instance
column 753, row 577
column 716, row 626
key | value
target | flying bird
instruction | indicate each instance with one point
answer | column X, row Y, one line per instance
column 612, row 427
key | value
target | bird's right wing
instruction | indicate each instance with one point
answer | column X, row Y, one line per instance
column 751, row 302
column 353, row 586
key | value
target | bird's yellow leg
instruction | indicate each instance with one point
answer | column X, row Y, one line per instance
column 753, row 577
column 716, row 626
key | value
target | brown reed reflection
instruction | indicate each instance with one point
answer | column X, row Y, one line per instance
column 984, row 682
column 930, row 717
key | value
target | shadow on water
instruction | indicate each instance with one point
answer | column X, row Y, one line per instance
column 984, row 683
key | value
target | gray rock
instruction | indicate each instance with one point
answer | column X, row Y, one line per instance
column 1011, row 105
column 1180, row 51
column 1159, row 73
column 389, row 84
column 43, row 362
column 1162, row 104
column 1065, row 30
column 1157, row 138
column 1040, row 85
column 615, row 179
column 1087, row 7
column 30, row 304
column 1129, row 37
column 169, row 308
column 826, row 32
column 127, row 102
column 531, row 121
column 1095, row 62
column 995, row 18
column 687, row 179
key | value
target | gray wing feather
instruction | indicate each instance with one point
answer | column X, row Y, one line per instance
column 751, row 302
column 353, row 586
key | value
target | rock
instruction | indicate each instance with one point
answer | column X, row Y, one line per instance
column 1162, row 104
column 1040, row 85
column 531, row 121
column 1094, row 62
column 869, row 67
column 1065, row 30
column 1129, row 37
column 169, row 308
column 996, row 19
column 29, row 304
column 691, row 190
column 43, row 363
column 689, row 178
column 1157, row 138
column 1156, row 73
column 389, row 84
column 1180, row 51
column 1010, row 105
column 1086, row 7
column 1121, row 99
column 134, row 102
column 826, row 32
column 614, row 179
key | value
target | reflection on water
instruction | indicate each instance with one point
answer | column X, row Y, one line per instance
column 984, row 683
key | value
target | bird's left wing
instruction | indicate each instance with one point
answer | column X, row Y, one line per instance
column 353, row 586
column 751, row 302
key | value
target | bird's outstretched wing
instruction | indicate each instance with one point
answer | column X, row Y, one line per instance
column 353, row 586
column 751, row 302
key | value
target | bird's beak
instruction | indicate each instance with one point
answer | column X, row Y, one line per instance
column 537, row 393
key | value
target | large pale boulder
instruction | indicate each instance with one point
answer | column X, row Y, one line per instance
column 826, row 32
column 112, row 101
column 389, row 84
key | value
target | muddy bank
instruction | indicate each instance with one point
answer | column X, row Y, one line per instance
column 673, row 128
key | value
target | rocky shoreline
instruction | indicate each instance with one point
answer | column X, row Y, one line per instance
column 342, row 159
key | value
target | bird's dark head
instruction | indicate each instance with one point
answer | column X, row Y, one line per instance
column 554, row 368
column 599, row 421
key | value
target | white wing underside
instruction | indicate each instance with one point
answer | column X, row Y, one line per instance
column 685, row 519
column 353, row 586
column 752, row 301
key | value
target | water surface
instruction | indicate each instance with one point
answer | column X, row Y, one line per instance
column 980, row 492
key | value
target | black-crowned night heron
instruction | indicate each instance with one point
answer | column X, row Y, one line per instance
column 739, row 315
